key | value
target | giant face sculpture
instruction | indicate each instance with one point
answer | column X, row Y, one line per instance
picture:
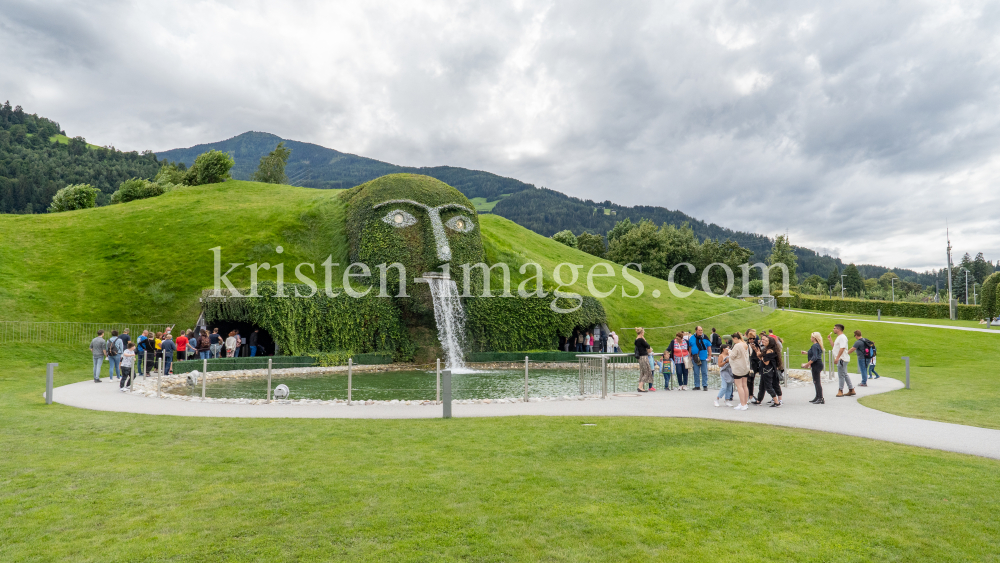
column 415, row 220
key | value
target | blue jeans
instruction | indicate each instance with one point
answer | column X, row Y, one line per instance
column 204, row 354
column 863, row 368
column 98, row 362
column 253, row 351
column 703, row 368
column 871, row 370
column 726, row 392
column 114, row 366
column 167, row 360
column 682, row 374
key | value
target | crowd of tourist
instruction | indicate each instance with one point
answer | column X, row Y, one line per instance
column 143, row 356
column 747, row 358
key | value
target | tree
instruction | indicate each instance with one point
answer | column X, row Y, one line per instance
column 781, row 253
column 989, row 297
column 981, row 268
column 271, row 169
column 833, row 279
column 75, row 196
column 853, row 284
column 885, row 280
column 591, row 244
column 640, row 245
column 171, row 173
column 729, row 253
column 566, row 237
column 210, row 167
column 620, row 228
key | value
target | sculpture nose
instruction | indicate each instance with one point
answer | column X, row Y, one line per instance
column 440, row 236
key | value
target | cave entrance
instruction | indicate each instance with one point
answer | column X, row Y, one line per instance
column 265, row 342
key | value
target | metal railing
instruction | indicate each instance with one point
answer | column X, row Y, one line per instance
column 30, row 332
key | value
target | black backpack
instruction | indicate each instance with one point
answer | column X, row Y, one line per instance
column 113, row 346
column 869, row 349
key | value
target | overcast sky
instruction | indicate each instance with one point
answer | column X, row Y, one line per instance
column 857, row 127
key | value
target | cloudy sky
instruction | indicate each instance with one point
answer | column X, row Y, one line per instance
column 859, row 128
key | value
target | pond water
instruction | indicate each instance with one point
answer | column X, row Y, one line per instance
column 404, row 385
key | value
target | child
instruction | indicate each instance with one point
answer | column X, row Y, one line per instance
column 726, row 376
column 128, row 360
column 665, row 369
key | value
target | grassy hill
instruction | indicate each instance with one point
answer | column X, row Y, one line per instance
column 150, row 259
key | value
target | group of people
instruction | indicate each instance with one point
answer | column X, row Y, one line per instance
column 746, row 358
column 591, row 341
column 141, row 357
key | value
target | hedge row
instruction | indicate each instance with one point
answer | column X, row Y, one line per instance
column 508, row 324
column 888, row 308
column 255, row 362
column 519, row 356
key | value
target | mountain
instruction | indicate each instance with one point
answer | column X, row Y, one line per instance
column 314, row 166
column 37, row 159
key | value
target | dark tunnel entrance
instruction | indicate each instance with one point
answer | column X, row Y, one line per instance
column 265, row 343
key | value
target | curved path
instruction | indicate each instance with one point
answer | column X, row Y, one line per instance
column 839, row 415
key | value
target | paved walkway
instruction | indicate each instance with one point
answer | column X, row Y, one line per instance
column 842, row 416
column 949, row 327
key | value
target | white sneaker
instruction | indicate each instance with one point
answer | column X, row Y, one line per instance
column 738, row 408
column 716, row 402
column 744, row 407
column 728, row 404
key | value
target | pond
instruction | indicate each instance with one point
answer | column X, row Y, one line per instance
column 415, row 385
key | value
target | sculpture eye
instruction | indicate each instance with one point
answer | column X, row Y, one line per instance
column 460, row 223
column 399, row 219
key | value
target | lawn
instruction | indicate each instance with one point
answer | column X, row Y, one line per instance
column 953, row 373
column 80, row 485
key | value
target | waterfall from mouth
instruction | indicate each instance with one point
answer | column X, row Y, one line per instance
column 450, row 318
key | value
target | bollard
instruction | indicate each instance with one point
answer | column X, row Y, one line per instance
column 526, row 379
column 144, row 365
column 446, row 393
column 438, row 399
column 159, row 379
column 269, row 379
column 49, row 373
column 907, row 360
column 880, row 314
column 604, row 377
column 204, row 377
column 350, row 378
column 614, row 377
column 581, row 376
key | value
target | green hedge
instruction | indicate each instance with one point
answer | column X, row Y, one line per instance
column 255, row 362
column 508, row 324
column 327, row 359
column 519, row 356
column 888, row 308
column 304, row 325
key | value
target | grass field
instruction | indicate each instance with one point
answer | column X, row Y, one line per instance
column 482, row 205
column 80, row 485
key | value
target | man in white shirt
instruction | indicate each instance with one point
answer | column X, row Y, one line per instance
column 841, row 355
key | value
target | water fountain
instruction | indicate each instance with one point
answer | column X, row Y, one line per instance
column 449, row 317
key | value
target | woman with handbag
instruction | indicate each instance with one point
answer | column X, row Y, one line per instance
column 679, row 353
column 771, row 360
column 641, row 351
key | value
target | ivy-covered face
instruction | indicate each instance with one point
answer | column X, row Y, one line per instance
column 416, row 220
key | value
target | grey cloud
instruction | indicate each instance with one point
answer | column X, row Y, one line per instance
column 858, row 126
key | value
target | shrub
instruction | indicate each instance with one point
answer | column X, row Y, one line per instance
column 210, row 167
column 75, row 196
column 566, row 237
column 866, row 307
column 138, row 188
column 591, row 244
column 508, row 324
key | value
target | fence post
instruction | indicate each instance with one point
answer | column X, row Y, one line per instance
column 438, row 380
column 144, row 365
column 581, row 374
column 526, row 379
column 159, row 379
column 604, row 377
column 269, row 379
column 446, row 393
column 614, row 377
column 350, row 378
column 204, row 378
column 907, row 360
column 880, row 314
column 49, row 369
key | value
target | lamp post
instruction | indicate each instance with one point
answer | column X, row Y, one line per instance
column 842, row 276
column 974, row 300
column 951, row 305
column 966, row 285
column 892, row 285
